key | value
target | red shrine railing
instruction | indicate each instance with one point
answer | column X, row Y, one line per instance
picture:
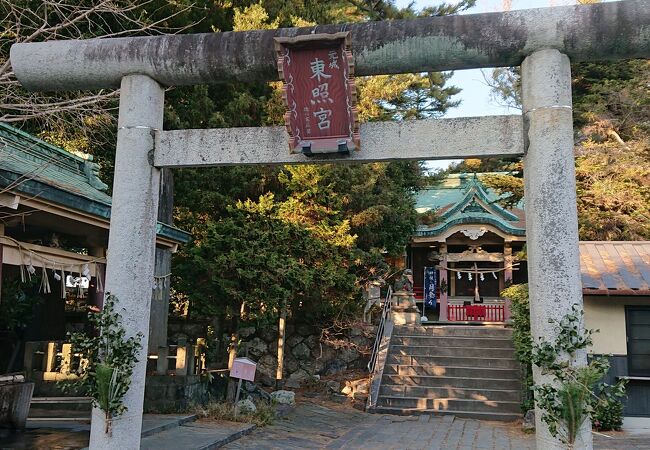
column 479, row 313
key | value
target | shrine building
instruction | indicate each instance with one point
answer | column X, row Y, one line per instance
column 477, row 248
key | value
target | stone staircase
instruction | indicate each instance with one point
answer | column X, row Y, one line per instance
column 468, row 371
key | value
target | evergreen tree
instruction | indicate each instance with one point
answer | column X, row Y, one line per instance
column 611, row 104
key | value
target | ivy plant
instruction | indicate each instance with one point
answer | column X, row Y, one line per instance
column 569, row 400
column 108, row 360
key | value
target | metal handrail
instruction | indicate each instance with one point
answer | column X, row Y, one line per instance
column 385, row 312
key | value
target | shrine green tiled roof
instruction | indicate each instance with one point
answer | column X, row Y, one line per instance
column 35, row 168
column 464, row 199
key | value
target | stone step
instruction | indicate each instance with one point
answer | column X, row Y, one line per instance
column 60, row 404
column 454, row 382
column 453, row 361
column 501, row 395
column 504, row 417
column 463, row 372
column 467, row 352
column 450, row 403
column 454, row 341
column 461, row 331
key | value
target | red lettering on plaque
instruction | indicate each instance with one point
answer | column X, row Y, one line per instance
column 319, row 93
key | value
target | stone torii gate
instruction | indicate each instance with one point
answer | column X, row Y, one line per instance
column 542, row 41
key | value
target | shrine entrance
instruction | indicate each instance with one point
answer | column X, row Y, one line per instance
column 542, row 41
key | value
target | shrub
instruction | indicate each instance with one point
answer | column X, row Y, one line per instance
column 520, row 308
column 605, row 402
column 607, row 408
column 263, row 416
column 109, row 359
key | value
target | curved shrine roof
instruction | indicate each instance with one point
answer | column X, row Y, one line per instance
column 35, row 168
column 464, row 199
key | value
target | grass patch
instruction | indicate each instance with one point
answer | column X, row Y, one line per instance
column 226, row 411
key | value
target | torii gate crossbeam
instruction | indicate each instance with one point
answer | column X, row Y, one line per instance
column 541, row 40
column 605, row 31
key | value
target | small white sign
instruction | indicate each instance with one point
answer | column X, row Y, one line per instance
column 73, row 282
column 244, row 369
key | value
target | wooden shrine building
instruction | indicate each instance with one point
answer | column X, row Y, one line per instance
column 54, row 223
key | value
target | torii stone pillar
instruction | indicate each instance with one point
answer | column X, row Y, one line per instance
column 131, row 244
column 551, row 209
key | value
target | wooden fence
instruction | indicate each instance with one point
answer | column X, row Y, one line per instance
column 479, row 313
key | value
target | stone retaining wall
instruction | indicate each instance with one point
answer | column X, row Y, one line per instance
column 305, row 354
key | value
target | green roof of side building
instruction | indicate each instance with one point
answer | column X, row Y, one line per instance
column 463, row 199
column 35, row 168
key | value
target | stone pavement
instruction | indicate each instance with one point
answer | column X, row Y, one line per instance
column 315, row 427
column 200, row 435
column 53, row 434
column 312, row 426
column 309, row 426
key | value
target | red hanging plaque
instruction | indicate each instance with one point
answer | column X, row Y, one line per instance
column 319, row 92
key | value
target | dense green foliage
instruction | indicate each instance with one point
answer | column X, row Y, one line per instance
column 517, row 294
column 607, row 408
column 612, row 117
column 108, row 360
column 313, row 235
column 317, row 232
column 17, row 303
column 577, row 392
column 572, row 398
column 266, row 238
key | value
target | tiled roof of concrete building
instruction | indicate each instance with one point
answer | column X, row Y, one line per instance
column 463, row 198
column 615, row 268
column 35, row 168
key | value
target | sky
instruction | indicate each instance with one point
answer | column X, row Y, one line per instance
column 475, row 94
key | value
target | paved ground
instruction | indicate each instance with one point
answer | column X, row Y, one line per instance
column 315, row 427
column 312, row 426
column 64, row 435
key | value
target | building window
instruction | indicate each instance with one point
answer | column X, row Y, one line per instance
column 637, row 320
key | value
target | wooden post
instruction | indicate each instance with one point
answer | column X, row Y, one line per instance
column 507, row 264
column 232, row 354
column 162, row 362
column 28, row 357
column 281, row 339
column 181, row 359
column 189, row 359
column 50, row 357
column 66, row 358
column 444, row 296
column 232, row 349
